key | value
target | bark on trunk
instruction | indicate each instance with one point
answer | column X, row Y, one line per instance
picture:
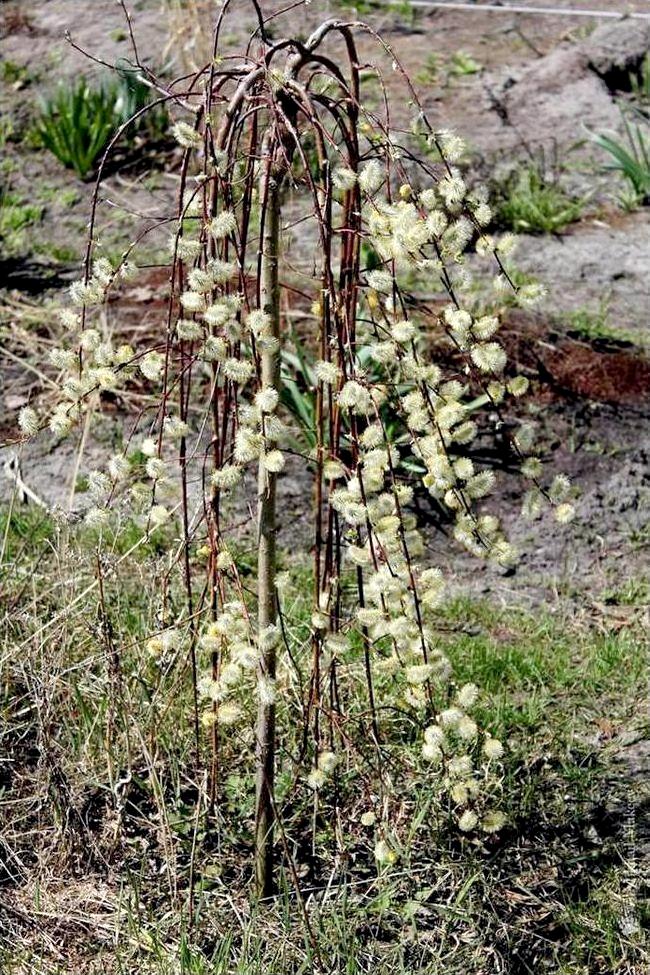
column 270, row 363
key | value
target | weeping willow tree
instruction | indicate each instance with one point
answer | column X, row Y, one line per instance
column 396, row 391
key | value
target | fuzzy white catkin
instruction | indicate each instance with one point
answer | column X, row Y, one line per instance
column 267, row 399
column 175, row 428
column 344, row 179
column 188, row 330
column 152, row 365
column 274, row 461
column 215, row 349
column 238, row 371
column 355, row 397
column 381, row 281
column 97, row 518
column 193, row 302
column 28, row 421
column 316, row 779
column 326, row 372
column 226, row 477
column 467, row 696
column 371, row 176
column 156, row 468
column 185, row 248
column 327, row 761
column 493, row 821
column 118, row 467
column 493, row 749
column 60, row 422
column 564, row 513
column 489, row 357
column 158, row 515
column 186, row 136
column 224, row 224
column 468, row 821
column 384, row 853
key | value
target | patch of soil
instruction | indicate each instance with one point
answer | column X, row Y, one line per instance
column 599, row 372
column 13, row 20
column 598, row 262
column 605, row 377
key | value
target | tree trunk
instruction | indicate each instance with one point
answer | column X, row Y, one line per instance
column 270, row 363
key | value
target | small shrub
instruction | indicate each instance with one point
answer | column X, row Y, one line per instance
column 365, row 8
column 132, row 95
column 360, row 648
column 438, row 69
column 534, row 205
column 590, row 322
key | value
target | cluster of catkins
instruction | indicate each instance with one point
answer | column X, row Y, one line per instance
column 414, row 231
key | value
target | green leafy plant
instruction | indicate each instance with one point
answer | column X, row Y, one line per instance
column 15, row 215
column 300, row 382
column 77, row 123
column 430, row 71
column 16, row 75
column 439, row 69
column 531, row 204
column 591, row 323
column 630, row 158
column 594, row 324
column 462, row 64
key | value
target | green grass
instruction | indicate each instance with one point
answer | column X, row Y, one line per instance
column 399, row 8
column 59, row 253
column 440, row 69
column 594, row 323
column 591, row 323
column 16, row 215
column 529, row 203
column 56, row 194
column 462, row 64
column 430, row 71
column 535, row 671
column 16, row 75
column 539, row 894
